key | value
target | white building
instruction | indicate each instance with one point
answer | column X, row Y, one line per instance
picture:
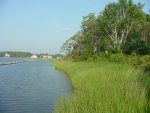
column 34, row 57
column 44, row 56
column 58, row 58
column 48, row 56
column 7, row 55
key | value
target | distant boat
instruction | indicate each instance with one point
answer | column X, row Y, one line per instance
column 7, row 55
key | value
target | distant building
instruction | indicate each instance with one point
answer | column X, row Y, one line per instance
column 50, row 57
column 44, row 56
column 47, row 56
column 34, row 57
column 58, row 58
column 7, row 55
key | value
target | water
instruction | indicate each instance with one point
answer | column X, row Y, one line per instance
column 31, row 87
column 5, row 59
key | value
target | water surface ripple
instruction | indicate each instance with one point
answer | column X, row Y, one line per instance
column 31, row 87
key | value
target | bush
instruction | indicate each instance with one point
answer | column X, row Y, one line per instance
column 118, row 58
column 77, row 59
column 145, row 59
column 83, row 57
column 145, row 65
column 90, row 59
column 134, row 60
column 102, row 57
column 93, row 58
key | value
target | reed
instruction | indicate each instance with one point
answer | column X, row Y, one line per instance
column 103, row 88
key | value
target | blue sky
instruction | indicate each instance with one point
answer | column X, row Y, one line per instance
column 41, row 26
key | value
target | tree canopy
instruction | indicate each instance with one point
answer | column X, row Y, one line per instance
column 122, row 26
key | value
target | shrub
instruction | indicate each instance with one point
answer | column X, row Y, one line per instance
column 90, row 59
column 102, row 57
column 145, row 65
column 145, row 59
column 118, row 58
column 77, row 59
column 134, row 60
column 93, row 58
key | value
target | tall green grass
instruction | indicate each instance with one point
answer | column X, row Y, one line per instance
column 103, row 88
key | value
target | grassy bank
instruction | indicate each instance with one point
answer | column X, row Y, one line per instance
column 104, row 88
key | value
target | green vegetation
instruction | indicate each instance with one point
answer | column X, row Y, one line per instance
column 115, row 48
column 105, row 88
column 16, row 54
column 122, row 27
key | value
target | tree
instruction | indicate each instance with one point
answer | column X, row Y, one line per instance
column 67, row 47
column 118, row 19
column 121, row 27
column 91, row 31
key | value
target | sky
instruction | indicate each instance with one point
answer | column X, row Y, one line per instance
column 41, row 26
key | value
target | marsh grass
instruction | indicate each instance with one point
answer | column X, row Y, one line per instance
column 103, row 88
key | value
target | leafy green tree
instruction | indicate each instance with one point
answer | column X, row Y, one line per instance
column 91, row 31
column 121, row 27
column 118, row 20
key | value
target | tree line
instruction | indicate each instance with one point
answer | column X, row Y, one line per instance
column 122, row 27
column 16, row 54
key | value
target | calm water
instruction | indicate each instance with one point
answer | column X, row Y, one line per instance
column 31, row 87
column 5, row 59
